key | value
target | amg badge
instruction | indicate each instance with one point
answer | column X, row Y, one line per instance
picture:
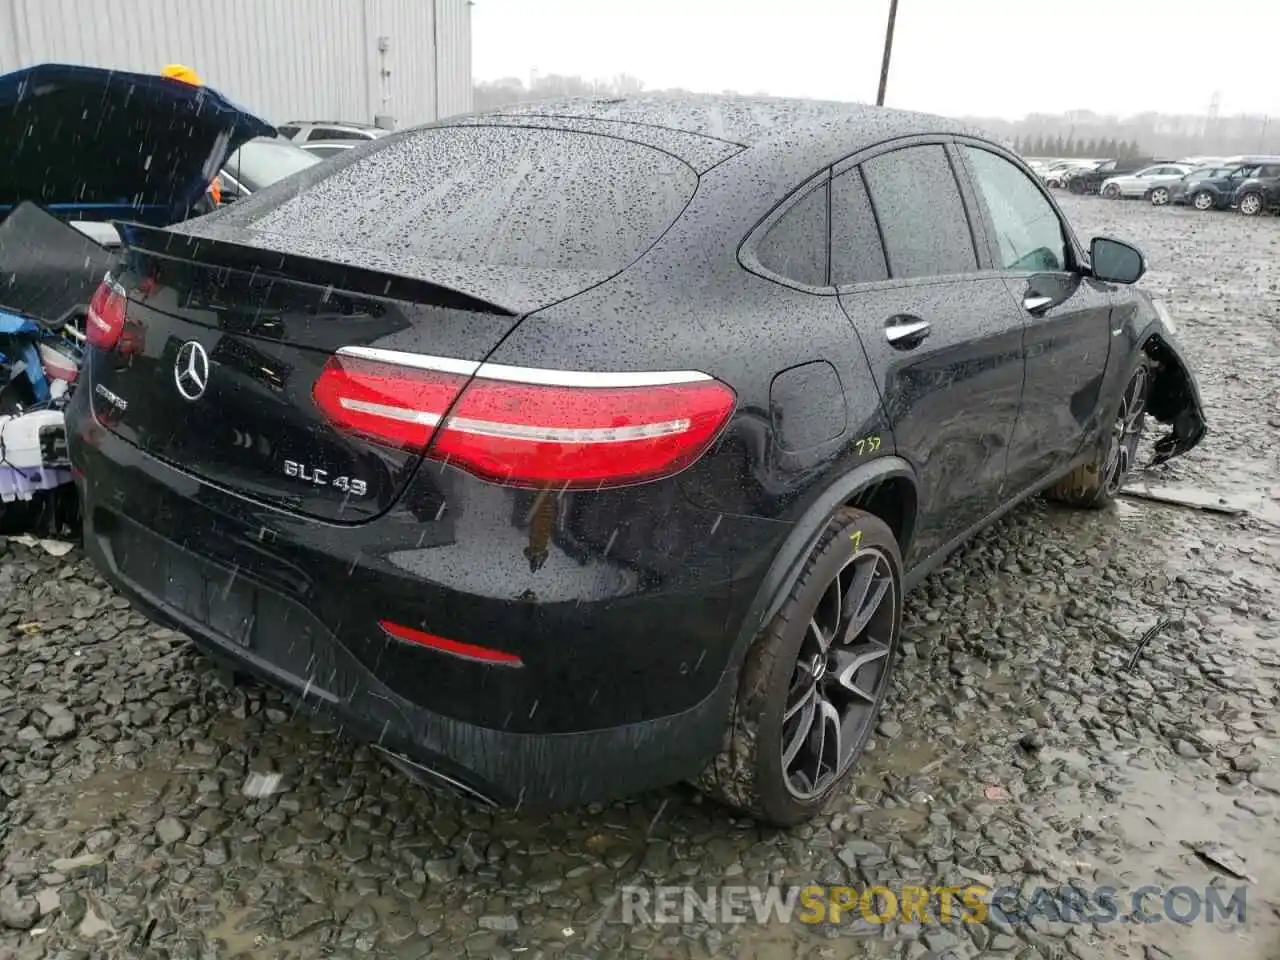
column 321, row 478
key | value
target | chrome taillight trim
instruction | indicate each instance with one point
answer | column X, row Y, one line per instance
column 530, row 375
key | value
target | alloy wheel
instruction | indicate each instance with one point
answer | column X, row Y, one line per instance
column 1204, row 201
column 1112, row 192
column 1251, row 205
column 1126, row 431
column 841, row 671
column 1159, row 196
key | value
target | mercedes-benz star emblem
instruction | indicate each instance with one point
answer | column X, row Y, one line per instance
column 191, row 370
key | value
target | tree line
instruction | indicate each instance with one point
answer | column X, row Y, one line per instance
column 1079, row 133
column 1094, row 148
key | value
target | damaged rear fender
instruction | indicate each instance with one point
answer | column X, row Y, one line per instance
column 1175, row 397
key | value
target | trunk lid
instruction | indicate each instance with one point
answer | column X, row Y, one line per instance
column 155, row 142
column 266, row 324
column 48, row 268
column 433, row 241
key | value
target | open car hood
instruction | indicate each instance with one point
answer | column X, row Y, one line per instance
column 93, row 144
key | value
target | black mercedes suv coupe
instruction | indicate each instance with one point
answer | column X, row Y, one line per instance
column 590, row 446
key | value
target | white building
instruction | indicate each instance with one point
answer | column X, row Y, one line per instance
column 354, row 60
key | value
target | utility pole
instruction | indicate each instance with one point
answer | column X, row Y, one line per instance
column 888, row 50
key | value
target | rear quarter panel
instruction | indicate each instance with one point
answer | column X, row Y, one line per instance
column 689, row 304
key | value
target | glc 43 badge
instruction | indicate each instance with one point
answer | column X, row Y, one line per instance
column 322, row 478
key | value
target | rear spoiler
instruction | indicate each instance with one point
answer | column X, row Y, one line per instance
column 163, row 243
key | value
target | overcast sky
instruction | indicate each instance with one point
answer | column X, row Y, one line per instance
column 1000, row 58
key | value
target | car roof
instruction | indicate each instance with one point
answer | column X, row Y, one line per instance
column 743, row 121
column 771, row 137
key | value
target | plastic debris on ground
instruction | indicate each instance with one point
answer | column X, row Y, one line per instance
column 48, row 270
column 37, row 371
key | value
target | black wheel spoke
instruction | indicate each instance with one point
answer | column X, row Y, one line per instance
column 864, row 575
column 834, row 608
column 871, row 603
column 805, row 697
column 821, row 636
column 802, row 729
column 850, row 663
column 829, row 748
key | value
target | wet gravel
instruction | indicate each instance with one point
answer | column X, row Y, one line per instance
column 148, row 810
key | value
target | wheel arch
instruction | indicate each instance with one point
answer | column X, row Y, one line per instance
column 885, row 487
column 1175, row 396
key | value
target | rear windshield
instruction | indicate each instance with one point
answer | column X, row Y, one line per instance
column 493, row 196
column 260, row 163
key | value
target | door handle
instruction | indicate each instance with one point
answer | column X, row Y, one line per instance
column 1034, row 302
column 905, row 333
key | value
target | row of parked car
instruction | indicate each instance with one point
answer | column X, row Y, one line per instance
column 1247, row 184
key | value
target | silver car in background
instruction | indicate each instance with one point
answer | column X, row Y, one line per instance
column 1142, row 182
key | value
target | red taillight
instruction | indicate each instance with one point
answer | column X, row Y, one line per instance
column 389, row 403
column 527, row 427
column 106, row 315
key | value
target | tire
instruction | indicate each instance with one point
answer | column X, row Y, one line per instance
column 1159, row 197
column 788, row 658
column 1204, row 200
column 1251, row 204
column 1096, row 483
column 1111, row 192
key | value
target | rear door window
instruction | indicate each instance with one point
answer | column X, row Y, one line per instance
column 497, row 196
column 922, row 218
column 795, row 246
column 856, row 253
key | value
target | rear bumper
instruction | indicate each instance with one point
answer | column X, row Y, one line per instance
column 494, row 766
column 625, row 683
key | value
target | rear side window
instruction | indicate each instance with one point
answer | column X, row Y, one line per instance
column 330, row 133
column 1269, row 170
column 922, row 217
column 795, row 247
column 491, row 196
column 856, row 254
column 287, row 131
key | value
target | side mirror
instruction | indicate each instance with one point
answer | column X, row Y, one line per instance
column 1116, row 262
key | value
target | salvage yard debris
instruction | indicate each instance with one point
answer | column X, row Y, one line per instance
column 1231, row 504
column 1147, row 638
column 1225, row 859
column 155, row 140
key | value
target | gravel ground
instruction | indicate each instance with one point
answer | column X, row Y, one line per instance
column 1016, row 747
